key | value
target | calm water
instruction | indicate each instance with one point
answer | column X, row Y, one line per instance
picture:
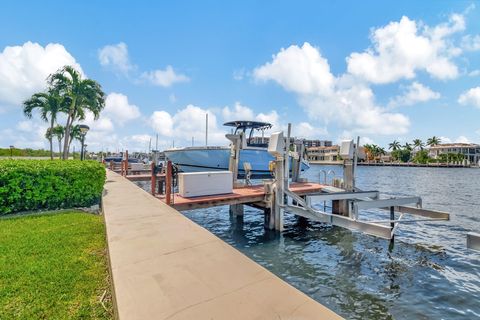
column 429, row 273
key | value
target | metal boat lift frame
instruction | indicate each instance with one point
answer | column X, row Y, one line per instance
column 352, row 199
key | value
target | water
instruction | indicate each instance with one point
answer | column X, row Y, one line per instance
column 429, row 273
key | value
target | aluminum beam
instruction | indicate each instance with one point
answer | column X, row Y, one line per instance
column 434, row 214
column 473, row 241
column 362, row 205
column 360, row 195
column 341, row 221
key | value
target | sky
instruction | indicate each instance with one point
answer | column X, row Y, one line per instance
column 335, row 70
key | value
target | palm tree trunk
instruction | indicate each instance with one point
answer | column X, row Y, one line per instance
column 59, row 148
column 65, row 139
column 51, row 137
column 70, row 118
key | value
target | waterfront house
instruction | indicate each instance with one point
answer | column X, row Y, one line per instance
column 470, row 151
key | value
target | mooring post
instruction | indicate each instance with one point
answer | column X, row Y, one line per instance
column 279, row 198
column 236, row 210
column 153, row 178
column 111, row 165
column 168, row 183
column 126, row 162
column 392, row 224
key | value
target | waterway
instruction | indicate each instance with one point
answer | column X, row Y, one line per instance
column 428, row 274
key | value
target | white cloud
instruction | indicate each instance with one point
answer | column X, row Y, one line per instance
column 162, row 123
column 326, row 98
column 445, row 139
column 239, row 74
column 24, row 69
column 414, row 93
column 116, row 57
column 238, row 112
column 474, row 73
column 299, row 69
column 401, row 48
column 307, row 131
column 119, row 109
column 471, row 43
column 462, row 139
column 470, row 97
column 26, row 134
column 165, row 78
column 190, row 122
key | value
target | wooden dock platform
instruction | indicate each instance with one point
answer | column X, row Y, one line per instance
column 244, row 195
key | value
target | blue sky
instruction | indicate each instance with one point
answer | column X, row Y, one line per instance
column 334, row 69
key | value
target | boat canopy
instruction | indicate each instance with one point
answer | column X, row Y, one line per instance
column 241, row 124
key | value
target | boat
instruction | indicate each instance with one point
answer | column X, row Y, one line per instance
column 118, row 159
column 216, row 158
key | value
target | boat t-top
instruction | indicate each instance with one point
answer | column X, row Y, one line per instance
column 216, row 158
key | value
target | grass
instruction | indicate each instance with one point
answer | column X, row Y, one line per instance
column 53, row 266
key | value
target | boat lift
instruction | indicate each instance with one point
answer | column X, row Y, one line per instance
column 347, row 200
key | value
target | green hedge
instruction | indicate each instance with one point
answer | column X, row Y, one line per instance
column 44, row 184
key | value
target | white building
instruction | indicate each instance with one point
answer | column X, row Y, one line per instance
column 470, row 151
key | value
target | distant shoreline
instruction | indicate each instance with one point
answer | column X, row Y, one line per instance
column 387, row 164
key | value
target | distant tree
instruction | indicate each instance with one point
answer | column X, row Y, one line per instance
column 418, row 144
column 395, row 145
column 81, row 95
column 433, row 141
column 49, row 104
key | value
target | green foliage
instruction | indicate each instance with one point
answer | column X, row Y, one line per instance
column 450, row 157
column 402, row 155
column 421, row 157
column 5, row 152
column 40, row 184
column 53, row 266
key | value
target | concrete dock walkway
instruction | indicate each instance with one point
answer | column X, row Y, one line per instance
column 165, row 266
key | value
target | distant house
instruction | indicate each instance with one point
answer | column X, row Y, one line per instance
column 470, row 151
column 317, row 143
column 323, row 154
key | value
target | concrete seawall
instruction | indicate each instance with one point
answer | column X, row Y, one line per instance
column 164, row 266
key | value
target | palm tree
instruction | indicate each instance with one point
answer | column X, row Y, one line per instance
column 395, row 145
column 433, row 141
column 407, row 146
column 417, row 143
column 80, row 94
column 49, row 104
column 59, row 132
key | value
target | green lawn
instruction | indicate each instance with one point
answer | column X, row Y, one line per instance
column 53, row 266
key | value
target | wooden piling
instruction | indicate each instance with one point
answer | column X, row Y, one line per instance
column 153, row 180
column 111, row 165
column 126, row 162
column 168, row 183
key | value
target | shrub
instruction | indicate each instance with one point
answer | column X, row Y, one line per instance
column 44, row 184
